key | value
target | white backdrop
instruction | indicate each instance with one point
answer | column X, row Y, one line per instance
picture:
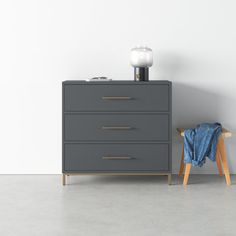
column 45, row 42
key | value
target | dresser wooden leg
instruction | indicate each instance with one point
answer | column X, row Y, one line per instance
column 221, row 146
column 63, row 179
column 181, row 169
column 169, row 179
column 186, row 174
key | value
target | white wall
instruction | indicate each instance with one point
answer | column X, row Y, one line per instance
column 45, row 42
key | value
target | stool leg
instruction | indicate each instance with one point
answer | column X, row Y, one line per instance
column 218, row 162
column 181, row 169
column 187, row 172
column 221, row 146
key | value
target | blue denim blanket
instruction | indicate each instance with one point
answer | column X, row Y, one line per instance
column 201, row 142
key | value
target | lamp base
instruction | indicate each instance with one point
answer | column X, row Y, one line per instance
column 141, row 73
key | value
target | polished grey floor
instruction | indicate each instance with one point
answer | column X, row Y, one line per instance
column 126, row 205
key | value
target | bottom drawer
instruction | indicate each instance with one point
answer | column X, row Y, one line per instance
column 116, row 157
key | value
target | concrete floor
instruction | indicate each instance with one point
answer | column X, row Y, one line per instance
column 124, row 205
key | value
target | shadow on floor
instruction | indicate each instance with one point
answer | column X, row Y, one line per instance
column 144, row 180
column 118, row 179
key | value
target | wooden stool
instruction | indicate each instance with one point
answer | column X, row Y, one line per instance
column 221, row 158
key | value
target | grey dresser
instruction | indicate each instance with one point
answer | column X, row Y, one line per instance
column 117, row 127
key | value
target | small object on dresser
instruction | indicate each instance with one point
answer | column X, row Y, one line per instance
column 141, row 59
column 102, row 78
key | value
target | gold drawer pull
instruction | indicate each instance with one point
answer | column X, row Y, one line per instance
column 116, row 98
column 116, row 127
column 117, row 158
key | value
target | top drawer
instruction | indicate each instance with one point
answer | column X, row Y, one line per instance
column 106, row 97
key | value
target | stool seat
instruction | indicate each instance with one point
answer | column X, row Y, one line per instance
column 225, row 132
column 221, row 158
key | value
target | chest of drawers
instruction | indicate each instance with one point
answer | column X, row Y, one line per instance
column 116, row 127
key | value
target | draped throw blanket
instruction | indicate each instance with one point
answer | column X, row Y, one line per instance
column 201, row 142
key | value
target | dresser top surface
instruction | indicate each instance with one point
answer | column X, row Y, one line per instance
column 125, row 82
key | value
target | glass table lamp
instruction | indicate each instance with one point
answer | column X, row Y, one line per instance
column 141, row 59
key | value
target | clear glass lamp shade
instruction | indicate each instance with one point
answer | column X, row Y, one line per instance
column 141, row 57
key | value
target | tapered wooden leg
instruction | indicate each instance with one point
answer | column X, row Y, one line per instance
column 222, row 150
column 181, row 169
column 218, row 162
column 63, row 179
column 169, row 179
column 186, row 174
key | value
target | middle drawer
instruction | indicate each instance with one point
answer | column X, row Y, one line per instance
column 116, row 127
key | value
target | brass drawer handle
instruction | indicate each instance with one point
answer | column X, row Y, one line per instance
column 116, row 127
column 116, row 98
column 117, row 158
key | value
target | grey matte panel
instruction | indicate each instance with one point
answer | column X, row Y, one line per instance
column 88, row 157
column 89, row 97
column 89, row 127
